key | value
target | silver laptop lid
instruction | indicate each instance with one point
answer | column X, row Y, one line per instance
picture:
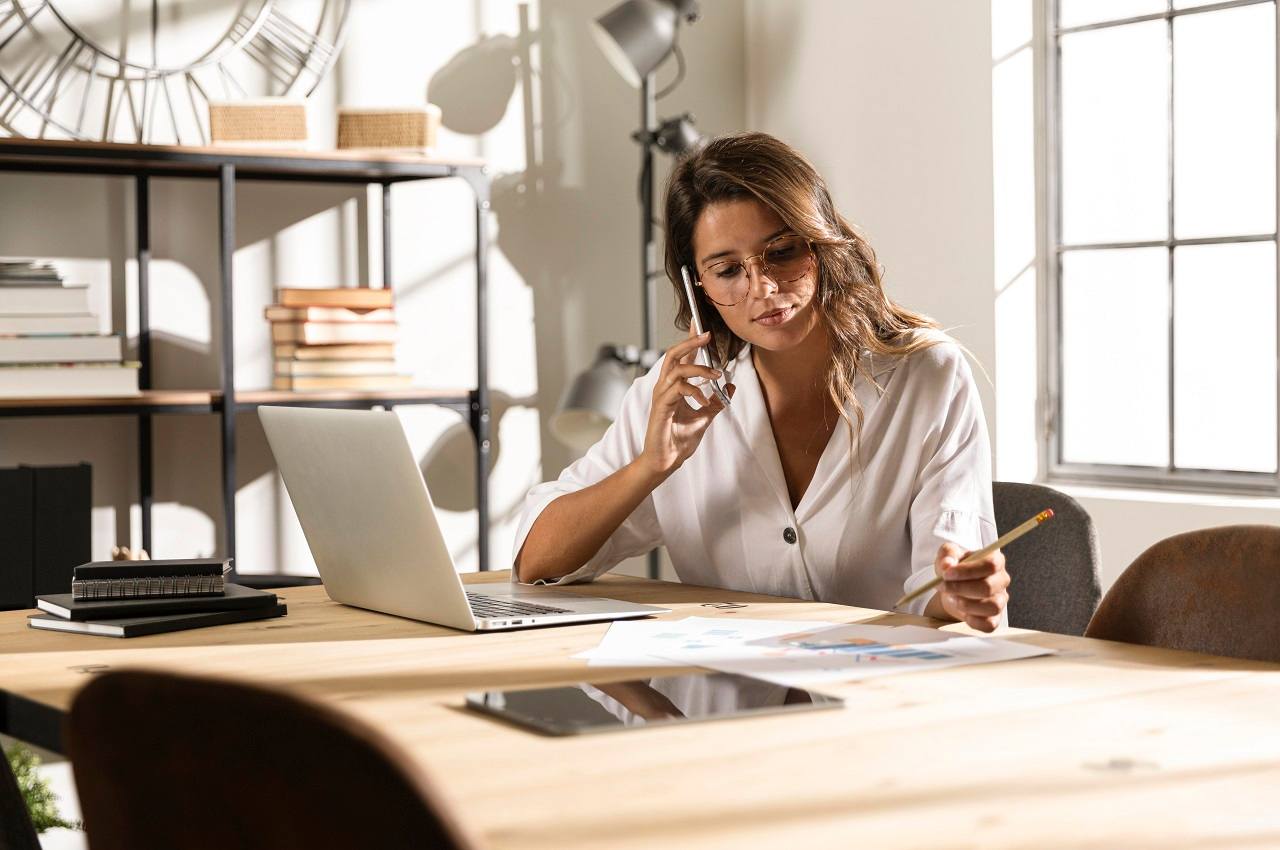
column 366, row 512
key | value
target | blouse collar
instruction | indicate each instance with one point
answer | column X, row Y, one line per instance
column 750, row 417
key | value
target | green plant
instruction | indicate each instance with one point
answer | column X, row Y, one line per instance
column 35, row 789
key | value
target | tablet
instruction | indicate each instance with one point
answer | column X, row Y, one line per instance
column 665, row 700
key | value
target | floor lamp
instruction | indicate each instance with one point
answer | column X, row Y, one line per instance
column 637, row 36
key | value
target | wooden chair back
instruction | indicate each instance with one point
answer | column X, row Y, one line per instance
column 164, row 760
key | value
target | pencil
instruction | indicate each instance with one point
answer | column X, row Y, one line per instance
column 1008, row 538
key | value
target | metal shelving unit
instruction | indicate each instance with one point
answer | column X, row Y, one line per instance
column 227, row 166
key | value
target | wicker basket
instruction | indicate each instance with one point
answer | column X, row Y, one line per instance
column 271, row 122
column 404, row 128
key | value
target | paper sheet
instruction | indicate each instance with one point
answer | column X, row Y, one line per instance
column 795, row 653
column 647, row 643
column 848, row 653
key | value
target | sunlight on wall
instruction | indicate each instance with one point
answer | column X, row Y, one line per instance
column 182, row 306
column 1015, row 284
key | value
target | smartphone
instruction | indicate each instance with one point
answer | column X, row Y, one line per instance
column 704, row 354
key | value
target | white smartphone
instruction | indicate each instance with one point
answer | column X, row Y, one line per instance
column 704, row 354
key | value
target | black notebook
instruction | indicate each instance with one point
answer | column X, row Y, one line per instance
column 234, row 597
column 127, row 627
column 149, row 579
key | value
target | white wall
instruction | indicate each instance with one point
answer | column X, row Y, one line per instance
column 563, row 276
column 1129, row 521
column 891, row 102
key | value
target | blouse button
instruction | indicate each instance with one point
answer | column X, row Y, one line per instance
column 789, row 534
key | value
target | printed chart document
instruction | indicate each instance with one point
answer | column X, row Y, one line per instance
column 797, row 653
column 851, row 652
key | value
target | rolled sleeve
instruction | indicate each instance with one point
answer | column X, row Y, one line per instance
column 952, row 501
column 968, row 530
column 620, row 445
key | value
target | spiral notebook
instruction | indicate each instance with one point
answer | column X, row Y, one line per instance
column 149, row 579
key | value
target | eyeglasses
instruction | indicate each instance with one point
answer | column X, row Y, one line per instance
column 783, row 260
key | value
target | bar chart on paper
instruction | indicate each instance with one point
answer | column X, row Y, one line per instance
column 796, row 653
column 845, row 653
column 861, row 649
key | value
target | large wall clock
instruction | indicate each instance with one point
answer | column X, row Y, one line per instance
column 146, row 70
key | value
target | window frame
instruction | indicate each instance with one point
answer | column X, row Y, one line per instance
column 1170, row 477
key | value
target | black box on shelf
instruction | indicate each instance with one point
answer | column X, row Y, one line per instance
column 44, row 530
column 17, row 538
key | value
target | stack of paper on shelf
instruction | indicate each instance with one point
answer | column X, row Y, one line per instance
column 50, row 343
column 135, row 598
column 335, row 339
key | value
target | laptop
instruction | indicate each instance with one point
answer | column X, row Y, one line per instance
column 372, row 528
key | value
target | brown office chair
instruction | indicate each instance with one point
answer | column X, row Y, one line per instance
column 1216, row 590
column 16, row 830
column 163, row 760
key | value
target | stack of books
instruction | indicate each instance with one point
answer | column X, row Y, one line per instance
column 135, row 598
column 335, row 339
column 49, row 340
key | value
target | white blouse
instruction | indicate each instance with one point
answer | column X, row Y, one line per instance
column 868, row 526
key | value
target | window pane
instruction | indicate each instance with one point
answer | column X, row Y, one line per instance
column 1073, row 13
column 1225, row 356
column 1115, row 363
column 1115, row 134
column 1224, row 122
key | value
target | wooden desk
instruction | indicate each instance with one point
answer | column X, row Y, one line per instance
column 1102, row 746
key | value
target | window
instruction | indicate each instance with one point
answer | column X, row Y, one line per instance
column 1162, row 229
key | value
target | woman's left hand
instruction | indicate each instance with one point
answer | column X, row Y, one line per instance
column 975, row 594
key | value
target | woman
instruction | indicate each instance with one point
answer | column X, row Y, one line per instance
column 852, row 464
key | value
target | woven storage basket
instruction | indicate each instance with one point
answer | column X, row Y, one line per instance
column 266, row 121
column 407, row 128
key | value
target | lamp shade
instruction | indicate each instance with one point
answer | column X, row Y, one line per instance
column 677, row 135
column 592, row 402
column 636, row 35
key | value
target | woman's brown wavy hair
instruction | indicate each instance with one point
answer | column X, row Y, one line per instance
column 850, row 298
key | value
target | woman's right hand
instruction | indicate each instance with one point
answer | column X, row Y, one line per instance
column 675, row 429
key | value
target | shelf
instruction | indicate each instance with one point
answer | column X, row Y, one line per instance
column 228, row 166
column 251, row 399
column 150, row 401
column 209, row 401
column 361, row 166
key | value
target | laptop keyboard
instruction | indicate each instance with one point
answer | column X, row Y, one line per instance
column 492, row 606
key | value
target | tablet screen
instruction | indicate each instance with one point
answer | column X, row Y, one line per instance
column 602, row 706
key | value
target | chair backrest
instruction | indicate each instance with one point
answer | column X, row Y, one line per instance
column 1054, row 571
column 1216, row 590
column 16, row 830
column 163, row 760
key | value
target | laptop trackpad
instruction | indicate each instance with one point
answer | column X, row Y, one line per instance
column 541, row 593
